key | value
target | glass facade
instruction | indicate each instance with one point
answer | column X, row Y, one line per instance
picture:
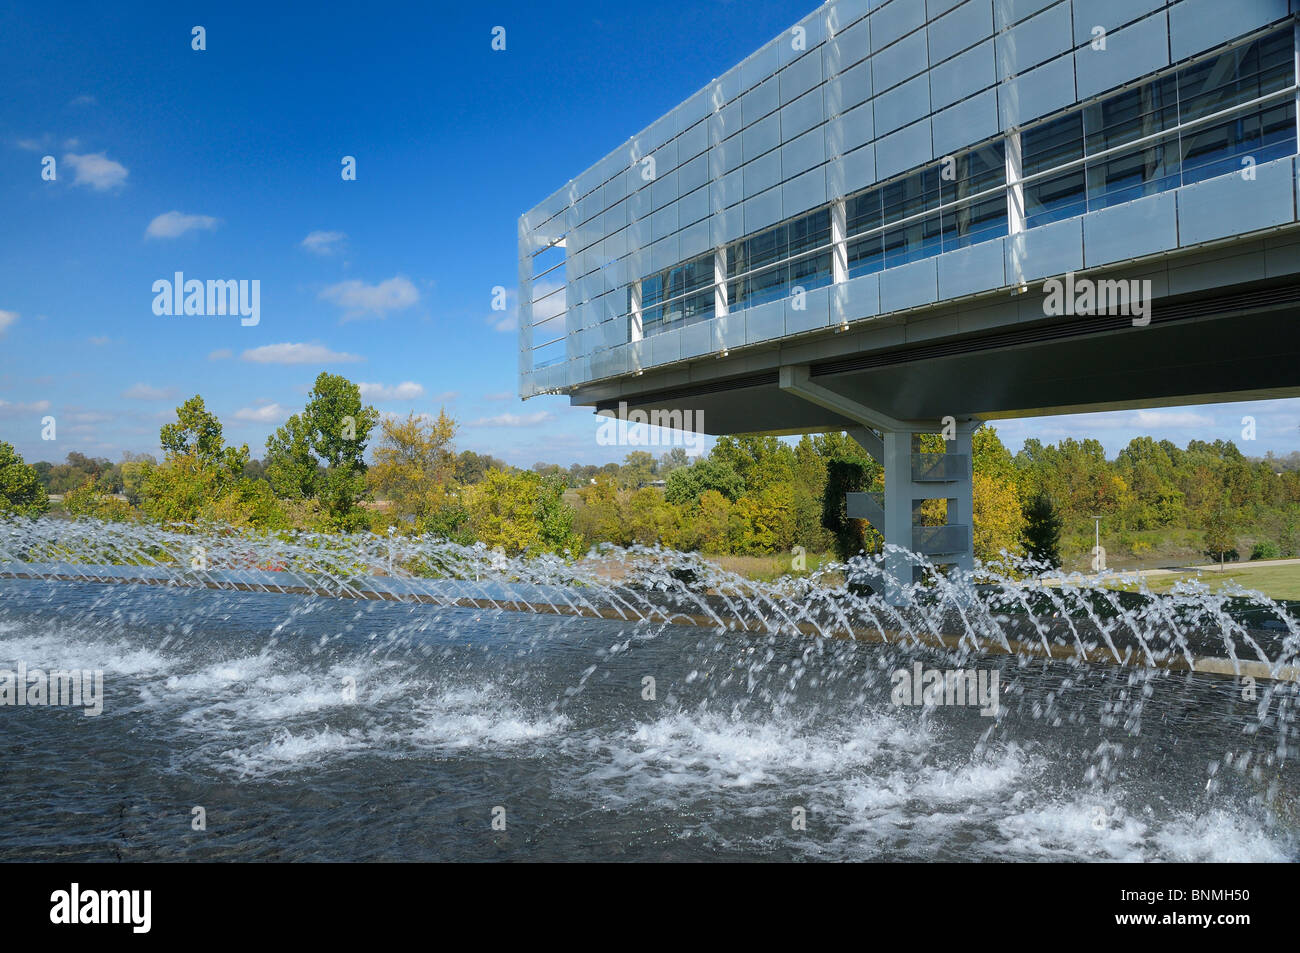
column 1163, row 133
column 1146, row 139
column 789, row 129
column 769, row 265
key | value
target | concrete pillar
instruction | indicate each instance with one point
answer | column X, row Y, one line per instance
column 839, row 244
column 720, row 282
column 634, row 326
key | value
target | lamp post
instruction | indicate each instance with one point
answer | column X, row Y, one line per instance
column 1098, row 557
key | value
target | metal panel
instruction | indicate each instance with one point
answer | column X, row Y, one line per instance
column 1037, row 93
column 902, row 105
column 901, row 61
column 904, row 149
column 894, row 20
column 1109, row 15
column 971, row 270
column 960, row 29
column 907, row 286
column 1045, row 251
column 1199, row 25
column 1232, row 205
column 1131, row 52
column 849, row 174
column 1037, row 40
column 854, row 300
column 966, row 123
column 958, row 78
column 1141, row 227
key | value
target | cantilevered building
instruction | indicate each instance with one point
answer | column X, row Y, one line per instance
column 853, row 230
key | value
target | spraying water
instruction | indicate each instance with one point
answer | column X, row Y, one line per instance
column 362, row 697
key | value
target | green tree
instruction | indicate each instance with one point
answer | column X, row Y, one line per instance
column 521, row 512
column 21, row 493
column 320, row 453
column 686, row 485
column 413, row 469
column 1042, row 530
column 843, row 476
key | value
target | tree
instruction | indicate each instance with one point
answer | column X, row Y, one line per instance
column 843, row 476
column 21, row 493
column 201, row 479
column 521, row 512
column 1042, row 532
column 320, row 453
column 1219, row 539
column 686, row 485
column 414, row 467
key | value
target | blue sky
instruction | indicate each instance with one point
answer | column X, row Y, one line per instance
column 225, row 163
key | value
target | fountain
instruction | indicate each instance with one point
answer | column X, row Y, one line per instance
column 366, row 697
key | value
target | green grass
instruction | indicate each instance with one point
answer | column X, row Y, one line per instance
column 1276, row 582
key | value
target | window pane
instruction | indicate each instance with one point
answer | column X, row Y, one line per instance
column 972, row 172
column 862, row 213
column 810, row 231
column 973, row 222
column 1130, row 115
column 866, row 255
column 1131, row 175
column 1219, row 149
column 1052, row 144
column 911, row 195
column 766, row 286
column 1055, row 198
column 912, row 242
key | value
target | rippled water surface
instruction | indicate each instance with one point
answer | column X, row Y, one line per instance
column 313, row 728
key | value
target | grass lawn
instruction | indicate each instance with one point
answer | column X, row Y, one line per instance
column 1276, row 582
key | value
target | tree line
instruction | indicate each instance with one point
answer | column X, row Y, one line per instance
column 750, row 495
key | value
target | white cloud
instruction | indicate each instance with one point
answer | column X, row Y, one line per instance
column 99, row 340
column 499, row 395
column 174, row 224
column 7, row 318
column 407, row 390
column 323, row 243
column 1171, row 418
column 265, row 414
column 85, row 99
column 90, row 417
column 145, row 392
column 297, row 354
column 221, row 354
column 358, row 299
column 513, row 420
column 17, row 410
column 96, row 170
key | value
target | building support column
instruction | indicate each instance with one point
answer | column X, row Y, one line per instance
column 910, row 479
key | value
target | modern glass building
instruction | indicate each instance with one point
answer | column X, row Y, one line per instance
column 883, row 156
column 855, row 229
